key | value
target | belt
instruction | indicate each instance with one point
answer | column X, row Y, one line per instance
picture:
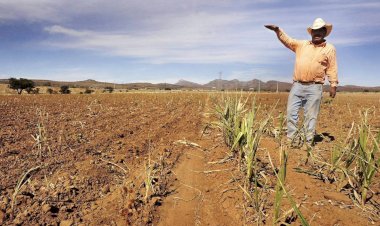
column 309, row 83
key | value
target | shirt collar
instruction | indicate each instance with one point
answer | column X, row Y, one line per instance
column 323, row 44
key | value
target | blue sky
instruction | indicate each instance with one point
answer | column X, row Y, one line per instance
column 167, row 40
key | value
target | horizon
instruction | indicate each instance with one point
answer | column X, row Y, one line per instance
column 175, row 83
column 197, row 41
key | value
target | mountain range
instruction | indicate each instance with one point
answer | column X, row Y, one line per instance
column 217, row 84
column 255, row 85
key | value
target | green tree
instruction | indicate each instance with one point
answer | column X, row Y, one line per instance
column 21, row 84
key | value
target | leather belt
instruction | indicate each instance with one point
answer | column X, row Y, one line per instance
column 309, row 83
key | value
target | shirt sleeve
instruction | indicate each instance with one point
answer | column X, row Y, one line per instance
column 332, row 69
column 289, row 42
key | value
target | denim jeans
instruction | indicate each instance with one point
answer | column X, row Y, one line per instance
column 306, row 96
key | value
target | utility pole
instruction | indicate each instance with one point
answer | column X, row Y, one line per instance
column 277, row 87
column 259, row 86
column 220, row 81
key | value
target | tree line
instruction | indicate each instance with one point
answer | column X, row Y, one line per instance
column 29, row 86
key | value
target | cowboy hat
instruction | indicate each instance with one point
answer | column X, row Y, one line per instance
column 319, row 23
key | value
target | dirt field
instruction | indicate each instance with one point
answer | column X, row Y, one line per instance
column 147, row 159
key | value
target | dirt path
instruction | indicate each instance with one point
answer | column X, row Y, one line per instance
column 197, row 199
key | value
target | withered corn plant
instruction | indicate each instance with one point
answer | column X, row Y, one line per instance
column 242, row 130
column 279, row 190
column 230, row 114
column 354, row 163
column 367, row 160
column 300, row 138
column 277, row 131
column 247, row 141
column 249, row 138
column 282, row 192
column 341, row 161
column 148, row 179
column 358, row 161
column 41, row 137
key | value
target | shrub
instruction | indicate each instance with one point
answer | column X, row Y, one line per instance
column 88, row 91
column 36, row 91
column 28, row 89
column 108, row 89
column 65, row 90
column 50, row 91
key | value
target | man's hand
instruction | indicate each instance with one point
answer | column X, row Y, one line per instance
column 272, row 27
column 332, row 91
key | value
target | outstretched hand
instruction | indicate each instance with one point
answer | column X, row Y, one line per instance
column 272, row 27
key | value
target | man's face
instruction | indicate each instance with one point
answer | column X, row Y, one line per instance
column 318, row 35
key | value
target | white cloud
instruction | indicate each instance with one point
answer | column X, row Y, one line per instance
column 196, row 31
column 192, row 38
column 30, row 11
column 56, row 29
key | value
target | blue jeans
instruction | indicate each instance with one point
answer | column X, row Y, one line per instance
column 306, row 96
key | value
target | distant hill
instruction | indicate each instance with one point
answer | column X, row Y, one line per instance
column 254, row 84
column 271, row 85
column 217, row 84
column 188, row 84
column 90, row 83
column 79, row 84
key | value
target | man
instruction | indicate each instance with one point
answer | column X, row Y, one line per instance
column 314, row 60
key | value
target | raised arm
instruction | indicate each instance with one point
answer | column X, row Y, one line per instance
column 289, row 42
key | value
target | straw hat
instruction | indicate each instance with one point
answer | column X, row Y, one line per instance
column 319, row 23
